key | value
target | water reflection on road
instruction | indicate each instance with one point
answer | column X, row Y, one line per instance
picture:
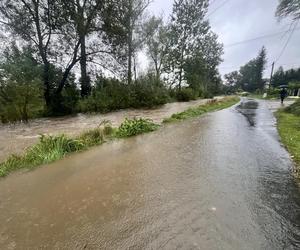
column 215, row 182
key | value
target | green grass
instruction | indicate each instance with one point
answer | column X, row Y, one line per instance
column 288, row 123
column 135, row 127
column 213, row 105
column 53, row 148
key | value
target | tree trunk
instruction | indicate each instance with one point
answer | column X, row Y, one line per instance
column 129, row 74
column 84, row 81
column 47, row 94
column 134, row 68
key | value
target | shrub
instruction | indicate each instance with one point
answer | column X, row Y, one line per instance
column 92, row 137
column 112, row 94
column 148, row 92
column 136, row 126
column 186, row 94
column 294, row 108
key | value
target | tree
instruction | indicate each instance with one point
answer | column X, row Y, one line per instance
column 207, row 56
column 187, row 29
column 278, row 77
column 288, row 8
column 252, row 73
column 127, row 22
column 282, row 77
column 233, row 80
column 261, row 62
column 20, row 85
column 86, row 17
column 42, row 25
column 156, row 40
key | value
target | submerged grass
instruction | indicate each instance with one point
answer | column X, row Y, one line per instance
column 212, row 105
column 288, row 123
column 52, row 148
column 135, row 127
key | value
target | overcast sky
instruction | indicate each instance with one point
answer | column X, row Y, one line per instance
column 239, row 20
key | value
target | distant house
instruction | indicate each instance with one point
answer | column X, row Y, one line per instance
column 294, row 89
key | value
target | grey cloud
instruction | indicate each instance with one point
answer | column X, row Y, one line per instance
column 239, row 20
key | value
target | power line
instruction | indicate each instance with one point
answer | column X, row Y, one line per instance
column 258, row 38
column 287, row 42
column 219, row 7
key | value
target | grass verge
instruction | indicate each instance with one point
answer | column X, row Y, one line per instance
column 213, row 105
column 288, row 123
column 53, row 148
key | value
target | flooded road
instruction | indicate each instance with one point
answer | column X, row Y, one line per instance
column 221, row 181
column 15, row 138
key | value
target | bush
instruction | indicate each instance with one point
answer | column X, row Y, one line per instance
column 294, row 108
column 273, row 92
column 92, row 137
column 148, row 92
column 135, row 127
column 186, row 94
column 107, row 95
column 112, row 94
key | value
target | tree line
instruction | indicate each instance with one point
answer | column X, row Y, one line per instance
column 250, row 76
column 65, row 56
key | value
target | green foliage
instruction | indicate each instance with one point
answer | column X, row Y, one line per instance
column 294, row 108
column 20, row 86
column 289, row 129
column 112, row 94
column 92, row 137
column 282, row 77
column 186, row 94
column 148, row 91
column 156, row 38
column 250, row 76
column 288, row 8
column 194, row 52
column 107, row 95
column 135, row 127
column 49, row 149
column 210, row 106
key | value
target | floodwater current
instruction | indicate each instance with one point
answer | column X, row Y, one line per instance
column 221, row 181
column 14, row 138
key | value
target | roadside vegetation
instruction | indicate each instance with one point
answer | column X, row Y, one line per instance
column 212, row 105
column 288, row 121
column 53, row 148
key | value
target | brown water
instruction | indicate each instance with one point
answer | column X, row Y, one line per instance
column 218, row 182
column 15, row 138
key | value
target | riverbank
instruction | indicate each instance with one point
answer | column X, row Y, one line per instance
column 288, row 123
column 53, row 148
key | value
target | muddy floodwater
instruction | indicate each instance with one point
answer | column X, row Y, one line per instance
column 221, row 181
column 15, row 138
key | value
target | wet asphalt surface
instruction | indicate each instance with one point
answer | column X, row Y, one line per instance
column 221, row 181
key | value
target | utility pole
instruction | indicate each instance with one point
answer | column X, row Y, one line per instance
column 271, row 78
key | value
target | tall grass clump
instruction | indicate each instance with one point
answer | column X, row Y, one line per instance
column 49, row 149
column 135, row 127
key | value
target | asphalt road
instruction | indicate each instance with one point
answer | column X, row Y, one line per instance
column 221, row 181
